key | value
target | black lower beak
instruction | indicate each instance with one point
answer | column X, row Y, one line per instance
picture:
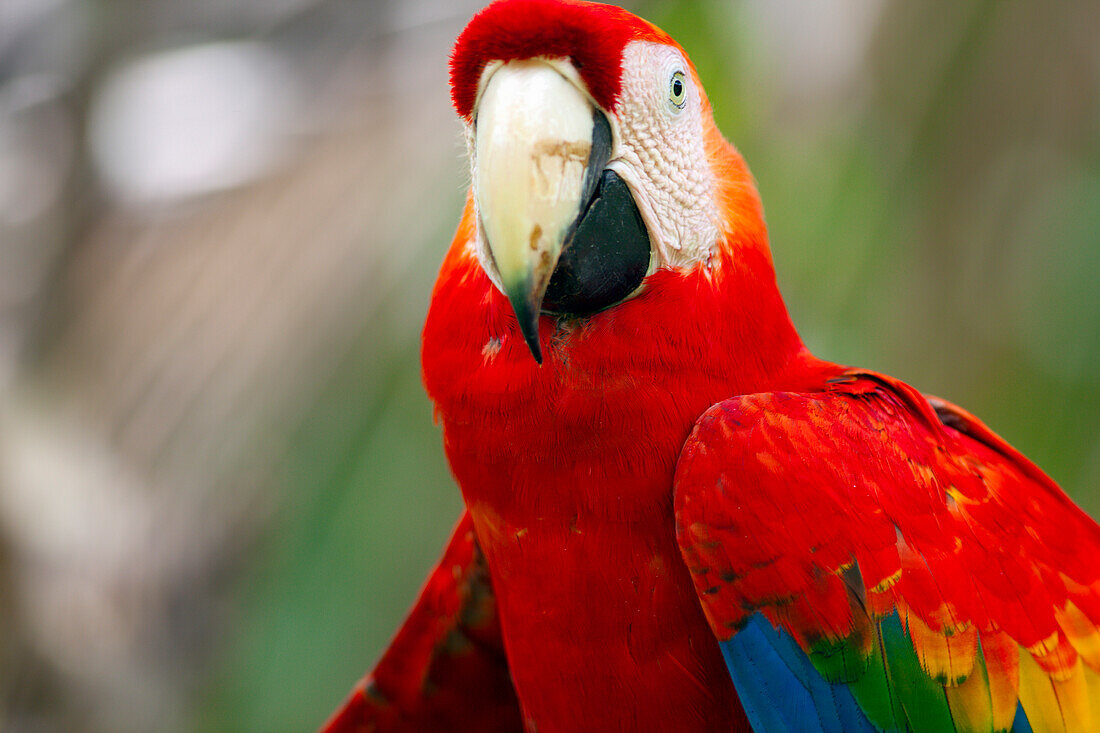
column 604, row 257
column 607, row 257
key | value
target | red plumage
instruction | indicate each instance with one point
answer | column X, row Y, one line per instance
column 865, row 471
column 574, row 567
column 680, row 461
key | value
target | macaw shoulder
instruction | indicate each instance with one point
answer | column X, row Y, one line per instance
column 868, row 446
column 858, row 424
column 850, row 418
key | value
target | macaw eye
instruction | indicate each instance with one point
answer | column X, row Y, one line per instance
column 677, row 90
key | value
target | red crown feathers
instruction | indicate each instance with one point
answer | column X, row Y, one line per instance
column 591, row 35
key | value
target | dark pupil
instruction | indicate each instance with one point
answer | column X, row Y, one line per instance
column 677, row 88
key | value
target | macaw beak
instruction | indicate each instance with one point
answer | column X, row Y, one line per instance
column 540, row 149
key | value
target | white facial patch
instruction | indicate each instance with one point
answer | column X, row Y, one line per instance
column 660, row 153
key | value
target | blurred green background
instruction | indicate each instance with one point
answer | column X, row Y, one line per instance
column 220, row 481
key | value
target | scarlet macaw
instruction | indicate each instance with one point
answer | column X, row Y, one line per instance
column 677, row 517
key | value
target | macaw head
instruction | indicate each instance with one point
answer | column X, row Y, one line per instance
column 595, row 161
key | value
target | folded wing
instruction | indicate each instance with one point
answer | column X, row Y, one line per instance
column 446, row 668
column 872, row 560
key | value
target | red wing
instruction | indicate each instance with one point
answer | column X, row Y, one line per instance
column 446, row 669
column 830, row 512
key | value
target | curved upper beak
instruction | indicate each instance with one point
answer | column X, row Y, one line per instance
column 540, row 147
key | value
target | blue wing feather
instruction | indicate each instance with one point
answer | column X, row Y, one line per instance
column 780, row 689
column 1021, row 724
column 782, row 692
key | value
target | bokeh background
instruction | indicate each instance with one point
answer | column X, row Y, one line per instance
column 220, row 481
